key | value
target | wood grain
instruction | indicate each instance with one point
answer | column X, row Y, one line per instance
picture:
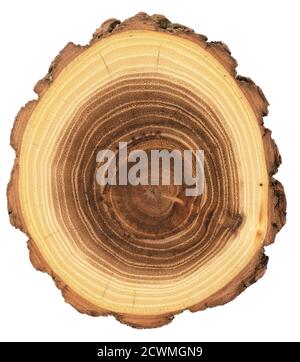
column 138, row 254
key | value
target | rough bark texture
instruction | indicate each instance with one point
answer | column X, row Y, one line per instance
column 276, row 199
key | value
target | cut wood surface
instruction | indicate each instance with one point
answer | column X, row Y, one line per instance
column 141, row 253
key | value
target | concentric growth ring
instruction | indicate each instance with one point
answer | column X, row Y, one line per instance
column 144, row 253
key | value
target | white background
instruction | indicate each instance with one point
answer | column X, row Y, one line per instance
column 264, row 37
